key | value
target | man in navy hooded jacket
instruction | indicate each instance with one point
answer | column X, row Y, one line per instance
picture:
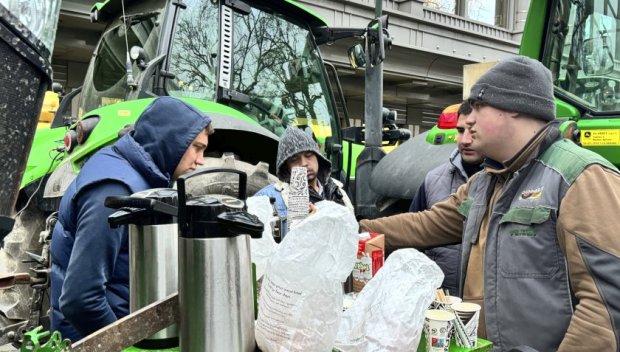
column 90, row 272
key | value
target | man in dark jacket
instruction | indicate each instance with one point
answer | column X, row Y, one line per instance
column 90, row 273
column 297, row 148
column 441, row 182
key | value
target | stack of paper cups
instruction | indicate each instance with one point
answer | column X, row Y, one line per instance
column 469, row 314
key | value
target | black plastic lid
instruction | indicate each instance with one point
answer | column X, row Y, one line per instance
column 156, row 206
column 205, row 214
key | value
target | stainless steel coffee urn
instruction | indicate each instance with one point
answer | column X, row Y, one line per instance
column 215, row 270
column 153, row 252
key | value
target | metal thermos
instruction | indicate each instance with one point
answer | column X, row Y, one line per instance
column 153, row 252
column 216, row 305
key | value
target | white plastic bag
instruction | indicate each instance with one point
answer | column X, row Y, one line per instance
column 388, row 313
column 262, row 248
column 301, row 297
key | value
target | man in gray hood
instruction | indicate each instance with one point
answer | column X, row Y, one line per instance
column 297, row 148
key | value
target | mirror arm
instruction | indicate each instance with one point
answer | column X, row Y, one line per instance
column 62, row 113
column 324, row 34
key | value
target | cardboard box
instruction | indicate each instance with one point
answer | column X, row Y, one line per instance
column 370, row 254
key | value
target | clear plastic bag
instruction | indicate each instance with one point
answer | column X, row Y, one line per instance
column 301, row 297
column 388, row 314
column 262, row 248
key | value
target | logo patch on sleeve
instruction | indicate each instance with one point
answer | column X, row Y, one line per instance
column 532, row 193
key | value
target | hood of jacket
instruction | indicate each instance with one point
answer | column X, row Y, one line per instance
column 162, row 134
column 293, row 141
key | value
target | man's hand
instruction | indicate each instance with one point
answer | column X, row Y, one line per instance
column 312, row 208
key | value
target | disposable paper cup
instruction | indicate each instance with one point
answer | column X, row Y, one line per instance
column 469, row 313
column 438, row 329
column 466, row 310
column 446, row 305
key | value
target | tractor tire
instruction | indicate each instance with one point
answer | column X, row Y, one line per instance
column 15, row 301
column 258, row 176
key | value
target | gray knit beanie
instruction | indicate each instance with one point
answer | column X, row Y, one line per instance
column 293, row 141
column 517, row 84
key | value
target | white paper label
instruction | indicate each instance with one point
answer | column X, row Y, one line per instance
column 298, row 197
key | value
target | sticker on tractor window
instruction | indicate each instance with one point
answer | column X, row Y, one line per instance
column 600, row 137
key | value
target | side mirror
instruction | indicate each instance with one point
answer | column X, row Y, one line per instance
column 356, row 56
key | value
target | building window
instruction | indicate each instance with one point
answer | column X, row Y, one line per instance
column 492, row 12
column 442, row 5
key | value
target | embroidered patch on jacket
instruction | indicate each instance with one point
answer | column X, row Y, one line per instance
column 523, row 233
column 532, row 193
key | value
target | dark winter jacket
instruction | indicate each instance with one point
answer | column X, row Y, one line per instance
column 90, row 273
column 438, row 184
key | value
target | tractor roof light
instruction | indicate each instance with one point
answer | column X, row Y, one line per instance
column 70, row 141
column 449, row 117
column 84, row 128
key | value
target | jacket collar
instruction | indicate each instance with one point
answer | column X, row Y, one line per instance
column 456, row 160
column 548, row 135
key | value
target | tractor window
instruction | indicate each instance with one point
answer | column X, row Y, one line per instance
column 581, row 51
column 194, row 51
column 106, row 80
column 276, row 63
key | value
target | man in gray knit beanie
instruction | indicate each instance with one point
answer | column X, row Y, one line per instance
column 517, row 84
column 511, row 102
column 298, row 148
column 538, row 225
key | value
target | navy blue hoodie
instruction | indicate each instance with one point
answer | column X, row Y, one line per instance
column 90, row 266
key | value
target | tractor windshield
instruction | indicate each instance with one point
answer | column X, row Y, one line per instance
column 581, row 51
column 106, row 80
column 276, row 63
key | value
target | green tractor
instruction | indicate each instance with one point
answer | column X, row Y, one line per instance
column 254, row 66
column 578, row 42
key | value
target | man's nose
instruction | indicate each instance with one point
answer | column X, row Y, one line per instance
column 201, row 159
column 304, row 161
column 466, row 137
